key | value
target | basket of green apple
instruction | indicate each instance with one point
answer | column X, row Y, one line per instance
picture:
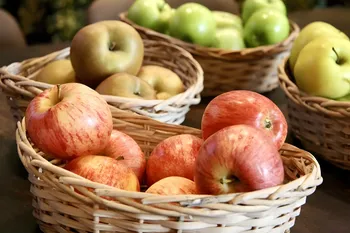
column 151, row 78
column 315, row 79
column 235, row 52
column 96, row 168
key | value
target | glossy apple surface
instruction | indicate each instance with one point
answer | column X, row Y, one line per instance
column 251, row 6
column 245, row 107
column 70, row 121
column 57, row 72
column 173, row 185
column 229, row 38
column 174, row 156
column 238, row 158
column 227, row 20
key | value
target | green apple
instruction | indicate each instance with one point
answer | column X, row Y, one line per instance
column 153, row 14
column 193, row 23
column 310, row 32
column 323, row 67
column 251, row 6
column 57, row 72
column 266, row 27
column 164, row 20
column 228, row 38
column 227, row 20
column 344, row 98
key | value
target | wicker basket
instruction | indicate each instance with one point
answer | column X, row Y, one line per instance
column 16, row 81
column 322, row 125
column 248, row 69
column 59, row 208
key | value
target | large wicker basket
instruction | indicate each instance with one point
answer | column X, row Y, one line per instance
column 59, row 208
column 249, row 69
column 321, row 124
column 16, row 81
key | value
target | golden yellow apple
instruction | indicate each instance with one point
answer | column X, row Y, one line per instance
column 57, row 72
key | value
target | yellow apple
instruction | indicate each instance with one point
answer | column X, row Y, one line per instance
column 57, row 72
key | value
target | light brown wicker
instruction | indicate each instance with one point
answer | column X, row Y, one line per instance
column 59, row 208
column 321, row 124
column 16, row 81
column 250, row 69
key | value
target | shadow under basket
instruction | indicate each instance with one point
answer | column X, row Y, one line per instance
column 252, row 69
column 322, row 125
column 17, row 81
column 66, row 202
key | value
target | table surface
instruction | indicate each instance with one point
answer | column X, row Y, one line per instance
column 327, row 210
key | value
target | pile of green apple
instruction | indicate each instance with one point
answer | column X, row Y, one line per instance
column 262, row 22
column 319, row 61
column 108, row 57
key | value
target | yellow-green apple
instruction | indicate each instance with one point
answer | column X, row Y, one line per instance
column 126, row 85
column 69, row 120
column 166, row 82
column 125, row 149
column 228, row 38
column 174, row 156
column 104, row 48
column 249, row 7
column 227, row 20
column 310, row 32
column 104, row 170
column 344, row 98
column 245, row 107
column 57, row 72
column 323, row 67
column 266, row 27
column 173, row 185
column 238, row 158
column 194, row 23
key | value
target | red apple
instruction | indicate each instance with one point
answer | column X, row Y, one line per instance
column 173, row 185
column 125, row 149
column 245, row 107
column 69, row 120
column 104, row 170
column 237, row 158
column 174, row 156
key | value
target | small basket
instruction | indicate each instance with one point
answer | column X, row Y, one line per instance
column 322, row 125
column 17, row 84
column 59, row 208
column 252, row 69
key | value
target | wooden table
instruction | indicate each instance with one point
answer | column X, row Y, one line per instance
column 327, row 210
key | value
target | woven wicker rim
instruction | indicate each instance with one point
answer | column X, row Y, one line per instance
column 329, row 107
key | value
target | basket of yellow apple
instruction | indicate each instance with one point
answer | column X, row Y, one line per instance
column 315, row 79
column 235, row 51
column 96, row 168
column 151, row 78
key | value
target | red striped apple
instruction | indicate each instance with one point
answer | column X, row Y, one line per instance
column 125, row 149
column 173, row 185
column 245, row 107
column 174, row 156
column 69, row 120
column 237, row 158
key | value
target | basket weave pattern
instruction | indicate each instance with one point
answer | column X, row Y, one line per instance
column 252, row 69
column 59, row 208
column 16, row 80
column 321, row 124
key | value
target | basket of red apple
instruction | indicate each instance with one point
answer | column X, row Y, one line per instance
column 151, row 78
column 315, row 79
column 97, row 168
column 236, row 52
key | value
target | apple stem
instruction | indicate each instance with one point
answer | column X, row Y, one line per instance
column 59, row 92
column 268, row 124
column 112, row 47
column 337, row 61
column 226, row 181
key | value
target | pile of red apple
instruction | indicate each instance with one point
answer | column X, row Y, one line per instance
column 108, row 57
column 262, row 22
column 242, row 132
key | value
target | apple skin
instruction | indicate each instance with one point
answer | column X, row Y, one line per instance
column 57, row 72
column 229, row 39
column 174, row 156
column 194, row 23
column 125, row 149
column 173, row 185
column 317, row 71
column 104, row 170
column 104, row 48
column 245, row 107
column 249, row 7
column 126, row 85
column 227, row 20
column 310, row 32
column 74, row 122
column 238, row 158
column 266, row 27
